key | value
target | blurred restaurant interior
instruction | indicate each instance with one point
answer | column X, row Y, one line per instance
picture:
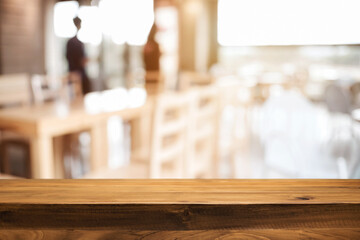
column 179, row 89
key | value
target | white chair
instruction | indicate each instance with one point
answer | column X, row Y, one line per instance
column 168, row 142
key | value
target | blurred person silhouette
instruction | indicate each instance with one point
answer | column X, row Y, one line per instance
column 76, row 57
column 74, row 161
column 127, row 74
column 152, row 52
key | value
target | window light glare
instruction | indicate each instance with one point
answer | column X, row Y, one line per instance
column 287, row 22
column 64, row 12
column 90, row 31
column 125, row 21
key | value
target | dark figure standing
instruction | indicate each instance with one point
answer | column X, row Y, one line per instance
column 154, row 82
column 152, row 52
column 75, row 54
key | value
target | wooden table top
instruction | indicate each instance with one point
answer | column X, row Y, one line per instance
column 179, row 191
column 53, row 111
column 57, row 119
column 179, row 209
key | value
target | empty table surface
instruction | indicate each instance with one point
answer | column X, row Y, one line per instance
column 170, row 209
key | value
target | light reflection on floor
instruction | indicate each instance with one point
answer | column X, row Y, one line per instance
column 291, row 137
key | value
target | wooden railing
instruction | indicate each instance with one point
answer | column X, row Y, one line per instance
column 179, row 209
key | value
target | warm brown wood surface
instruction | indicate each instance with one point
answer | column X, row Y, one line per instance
column 282, row 234
column 152, row 191
column 182, row 209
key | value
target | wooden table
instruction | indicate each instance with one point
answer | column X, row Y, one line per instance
column 179, row 209
column 42, row 123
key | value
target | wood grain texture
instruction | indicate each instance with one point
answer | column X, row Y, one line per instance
column 328, row 234
column 179, row 217
column 179, row 209
column 180, row 191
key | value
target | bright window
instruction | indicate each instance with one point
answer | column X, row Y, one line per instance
column 124, row 21
column 127, row 21
column 288, row 22
column 90, row 31
column 64, row 13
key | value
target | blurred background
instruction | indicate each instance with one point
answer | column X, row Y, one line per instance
column 179, row 89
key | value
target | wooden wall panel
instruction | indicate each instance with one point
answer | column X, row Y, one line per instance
column 22, row 36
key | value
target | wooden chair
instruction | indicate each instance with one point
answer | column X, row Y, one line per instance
column 139, row 155
column 201, row 161
column 183, row 141
column 170, row 128
column 14, row 91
